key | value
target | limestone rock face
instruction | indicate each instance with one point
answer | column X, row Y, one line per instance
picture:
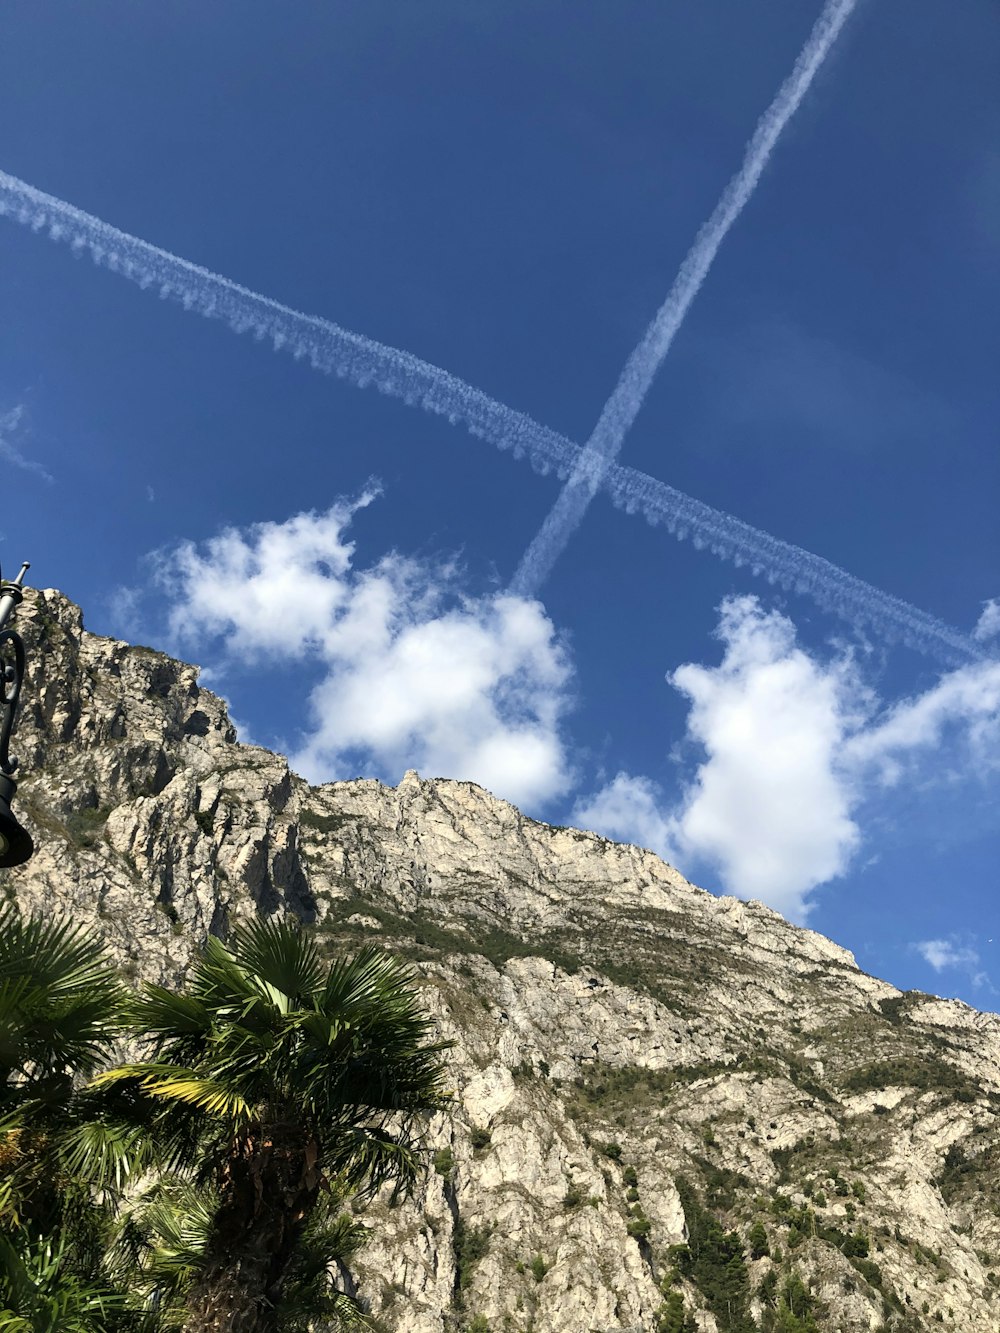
column 624, row 1043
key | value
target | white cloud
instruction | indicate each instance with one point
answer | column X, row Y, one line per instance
column 768, row 806
column 415, row 674
column 988, row 624
column 946, row 953
column 10, row 424
column 791, row 749
column 629, row 809
column 963, row 708
column 123, row 610
column 952, row 954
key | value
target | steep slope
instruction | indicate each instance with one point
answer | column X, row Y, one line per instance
column 637, row 1063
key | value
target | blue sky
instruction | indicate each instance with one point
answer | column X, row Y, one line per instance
column 507, row 191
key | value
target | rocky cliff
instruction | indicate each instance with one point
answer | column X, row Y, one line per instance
column 637, row 1063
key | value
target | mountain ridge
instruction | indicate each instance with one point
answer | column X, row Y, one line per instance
column 635, row 1060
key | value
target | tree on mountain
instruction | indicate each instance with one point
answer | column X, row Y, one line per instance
column 275, row 1081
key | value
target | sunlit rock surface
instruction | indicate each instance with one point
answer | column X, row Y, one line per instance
column 608, row 1018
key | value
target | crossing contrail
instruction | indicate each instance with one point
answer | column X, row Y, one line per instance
column 325, row 345
column 627, row 398
column 368, row 363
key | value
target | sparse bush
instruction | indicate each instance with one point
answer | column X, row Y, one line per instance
column 480, row 1138
column 539, row 1267
column 444, row 1161
column 471, row 1244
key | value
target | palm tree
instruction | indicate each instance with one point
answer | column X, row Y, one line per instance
column 61, row 1007
column 276, row 1079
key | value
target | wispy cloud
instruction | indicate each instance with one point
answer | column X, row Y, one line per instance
column 415, row 673
column 792, row 748
column 631, row 809
column 640, row 370
column 988, row 624
column 955, row 954
column 333, row 350
column 10, row 428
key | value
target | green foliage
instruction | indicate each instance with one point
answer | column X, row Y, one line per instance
column 767, row 1291
column 312, row 819
column 480, row 1138
column 793, row 1311
column 721, row 1185
column 713, row 1261
column 471, row 1244
column 630, row 1178
column 925, row 1072
column 86, row 825
column 636, row 1087
column 759, row 1244
column 60, row 1009
column 573, row 1197
column 538, row 1267
column 479, row 1324
column 671, row 1317
column 282, row 1074
column 444, row 1161
column 957, row 1170
column 638, row 1225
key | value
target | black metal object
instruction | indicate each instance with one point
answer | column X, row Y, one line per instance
column 15, row 842
column 10, row 685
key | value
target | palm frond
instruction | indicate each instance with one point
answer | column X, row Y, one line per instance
column 281, row 955
column 366, row 1158
column 39, row 1290
column 105, row 1153
column 60, row 1000
column 173, row 1083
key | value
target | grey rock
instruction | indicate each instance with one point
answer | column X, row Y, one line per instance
column 605, row 1014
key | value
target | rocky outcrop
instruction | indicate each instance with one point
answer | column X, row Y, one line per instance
column 631, row 1054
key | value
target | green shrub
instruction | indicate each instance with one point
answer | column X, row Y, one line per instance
column 759, row 1244
column 573, row 1197
column 613, row 1150
column 480, row 1138
column 767, row 1291
column 471, row 1244
column 444, row 1161
column 671, row 1317
column 538, row 1267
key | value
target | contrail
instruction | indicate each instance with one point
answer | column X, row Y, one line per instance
column 326, row 345
column 627, row 398
column 335, row 350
